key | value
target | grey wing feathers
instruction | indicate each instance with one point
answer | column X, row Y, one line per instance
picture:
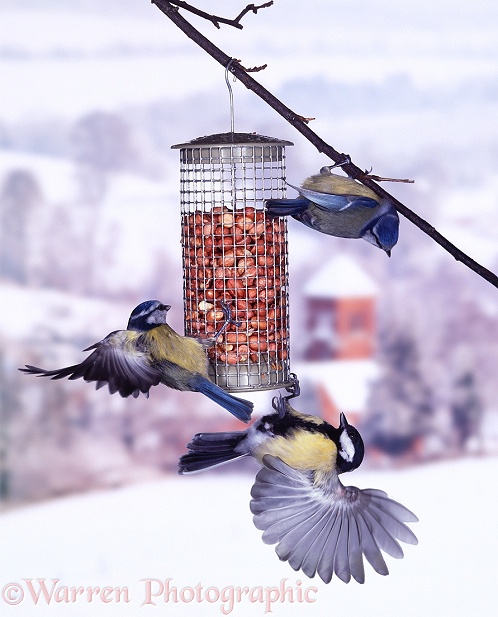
column 128, row 373
column 327, row 533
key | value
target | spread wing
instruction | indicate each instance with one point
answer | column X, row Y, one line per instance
column 338, row 203
column 115, row 361
column 323, row 532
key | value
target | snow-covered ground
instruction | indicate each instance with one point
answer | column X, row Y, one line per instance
column 198, row 530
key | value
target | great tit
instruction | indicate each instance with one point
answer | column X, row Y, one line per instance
column 340, row 206
column 150, row 352
column 320, row 525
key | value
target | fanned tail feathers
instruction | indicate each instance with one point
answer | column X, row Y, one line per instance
column 210, row 450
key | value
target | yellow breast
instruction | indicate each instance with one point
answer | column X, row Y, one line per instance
column 166, row 344
column 301, row 450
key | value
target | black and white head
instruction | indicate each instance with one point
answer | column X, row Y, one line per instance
column 148, row 315
column 350, row 448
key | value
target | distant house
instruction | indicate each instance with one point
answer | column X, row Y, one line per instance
column 340, row 302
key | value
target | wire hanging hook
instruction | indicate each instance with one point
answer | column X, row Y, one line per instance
column 230, row 94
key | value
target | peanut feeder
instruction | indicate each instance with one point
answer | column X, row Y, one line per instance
column 233, row 252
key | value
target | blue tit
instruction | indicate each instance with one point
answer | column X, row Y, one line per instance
column 150, row 352
column 319, row 525
column 340, row 206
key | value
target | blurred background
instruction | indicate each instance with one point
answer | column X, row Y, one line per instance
column 93, row 96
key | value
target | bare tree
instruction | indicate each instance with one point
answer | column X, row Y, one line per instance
column 103, row 141
column 401, row 402
column 18, row 199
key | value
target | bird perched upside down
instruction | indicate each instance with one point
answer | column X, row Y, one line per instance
column 319, row 525
column 150, row 352
column 341, row 207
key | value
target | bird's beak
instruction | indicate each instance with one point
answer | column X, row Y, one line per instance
column 344, row 423
column 388, row 253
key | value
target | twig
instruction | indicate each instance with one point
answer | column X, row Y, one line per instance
column 214, row 19
column 299, row 124
column 381, row 179
column 253, row 69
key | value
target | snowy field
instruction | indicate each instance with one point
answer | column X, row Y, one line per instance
column 91, row 60
column 198, row 531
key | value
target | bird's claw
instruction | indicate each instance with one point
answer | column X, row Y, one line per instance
column 279, row 404
column 294, row 388
column 228, row 321
column 327, row 168
column 228, row 315
column 226, row 310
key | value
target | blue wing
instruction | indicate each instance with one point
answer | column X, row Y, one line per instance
column 336, row 202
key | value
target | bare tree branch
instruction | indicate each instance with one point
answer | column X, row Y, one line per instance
column 214, row 19
column 299, row 123
column 253, row 8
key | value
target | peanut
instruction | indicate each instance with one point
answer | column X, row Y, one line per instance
column 237, row 256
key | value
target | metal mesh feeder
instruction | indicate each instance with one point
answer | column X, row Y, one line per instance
column 233, row 253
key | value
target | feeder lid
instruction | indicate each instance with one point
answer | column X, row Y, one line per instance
column 240, row 139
